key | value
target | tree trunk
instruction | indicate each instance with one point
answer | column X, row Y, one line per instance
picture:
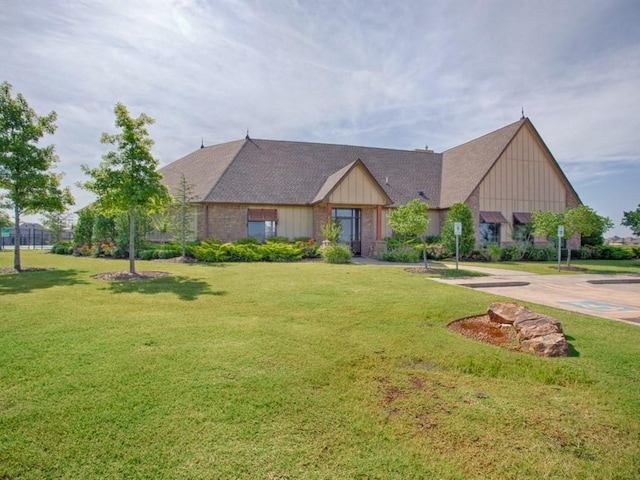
column 132, row 241
column 16, row 237
column 568, row 255
column 424, row 253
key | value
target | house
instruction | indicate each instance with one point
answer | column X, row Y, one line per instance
column 264, row 188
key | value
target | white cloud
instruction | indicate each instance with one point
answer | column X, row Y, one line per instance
column 377, row 73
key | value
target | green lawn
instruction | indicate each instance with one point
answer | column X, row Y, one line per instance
column 551, row 268
column 296, row 371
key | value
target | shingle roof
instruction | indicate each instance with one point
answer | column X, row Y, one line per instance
column 274, row 172
column 202, row 168
column 334, row 180
column 466, row 165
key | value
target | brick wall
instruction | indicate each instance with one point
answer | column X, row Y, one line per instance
column 225, row 222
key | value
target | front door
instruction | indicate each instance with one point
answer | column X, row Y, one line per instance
column 350, row 221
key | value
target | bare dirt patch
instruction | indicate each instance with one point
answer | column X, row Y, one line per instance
column 482, row 329
column 128, row 276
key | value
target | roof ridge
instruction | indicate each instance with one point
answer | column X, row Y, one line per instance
column 235, row 156
column 521, row 122
column 345, row 145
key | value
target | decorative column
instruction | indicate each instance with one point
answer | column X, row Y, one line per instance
column 379, row 223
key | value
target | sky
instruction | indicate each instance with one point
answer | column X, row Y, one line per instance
column 401, row 75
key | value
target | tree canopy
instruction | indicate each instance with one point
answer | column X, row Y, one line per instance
column 127, row 180
column 459, row 212
column 26, row 178
column 632, row 220
column 411, row 220
column 183, row 213
column 580, row 220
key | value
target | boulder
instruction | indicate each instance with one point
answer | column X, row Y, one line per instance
column 539, row 321
column 550, row 345
column 536, row 333
column 509, row 312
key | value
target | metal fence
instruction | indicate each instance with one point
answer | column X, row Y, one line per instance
column 31, row 238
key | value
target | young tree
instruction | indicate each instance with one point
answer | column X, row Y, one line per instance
column 459, row 212
column 127, row 181
column 581, row 220
column 183, row 213
column 632, row 220
column 411, row 220
column 55, row 223
column 25, row 168
column 83, row 229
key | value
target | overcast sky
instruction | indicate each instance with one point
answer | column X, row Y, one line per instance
column 391, row 74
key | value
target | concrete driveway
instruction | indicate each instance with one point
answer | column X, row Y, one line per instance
column 616, row 297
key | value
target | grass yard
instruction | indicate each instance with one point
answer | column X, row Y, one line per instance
column 296, row 371
column 551, row 268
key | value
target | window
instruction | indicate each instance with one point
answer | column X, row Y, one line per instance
column 523, row 228
column 261, row 223
column 489, row 233
column 489, row 228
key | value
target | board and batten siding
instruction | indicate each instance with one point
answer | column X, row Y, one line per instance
column 524, row 179
column 293, row 221
column 357, row 188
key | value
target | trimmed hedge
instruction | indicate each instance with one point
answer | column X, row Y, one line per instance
column 208, row 251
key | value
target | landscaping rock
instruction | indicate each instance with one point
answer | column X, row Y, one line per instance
column 539, row 321
column 509, row 312
column 551, row 345
column 535, row 333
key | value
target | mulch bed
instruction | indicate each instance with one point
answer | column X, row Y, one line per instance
column 430, row 271
column 571, row 268
column 482, row 329
column 128, row 276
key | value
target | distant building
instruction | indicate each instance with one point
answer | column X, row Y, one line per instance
column 615, row 240
column 263, row 188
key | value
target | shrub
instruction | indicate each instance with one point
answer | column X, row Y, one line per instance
column 280, row 252
column 62, row 248
column 145, row 254
column 83, row 250
column 308, row 246
column 583, row 253
column 210, row 251
column 403, row 254
column 493, row 252
column 512, row 253
column 540, row 254
column 614, row 252
column 336, row 253
column 278, row 240
column 247, row 241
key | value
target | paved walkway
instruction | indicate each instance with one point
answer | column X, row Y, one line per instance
column 616, row 301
